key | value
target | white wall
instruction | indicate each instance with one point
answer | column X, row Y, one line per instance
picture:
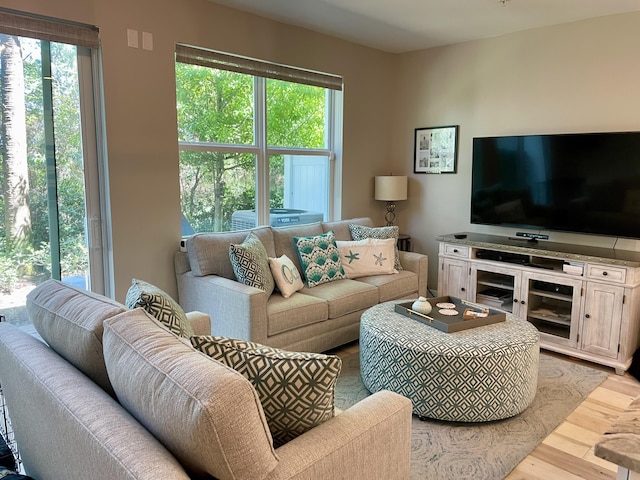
column 578, row 77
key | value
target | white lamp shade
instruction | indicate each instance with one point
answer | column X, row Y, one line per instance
column 391, row 188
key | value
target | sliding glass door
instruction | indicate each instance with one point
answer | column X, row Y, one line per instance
column 50, row 192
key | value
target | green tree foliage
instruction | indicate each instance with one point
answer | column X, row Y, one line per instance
column 217, row 107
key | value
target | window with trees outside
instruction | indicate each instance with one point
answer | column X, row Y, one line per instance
column 258, row 142
column 50, row 205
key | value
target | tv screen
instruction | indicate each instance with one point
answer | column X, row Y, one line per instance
column 584, row 183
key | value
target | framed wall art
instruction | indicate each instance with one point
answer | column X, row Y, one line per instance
column 436, row 149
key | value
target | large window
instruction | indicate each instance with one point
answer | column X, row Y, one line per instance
column 258, row 142
column 50, row 205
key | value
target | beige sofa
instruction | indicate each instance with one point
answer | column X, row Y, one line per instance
column 177, row 414
column 313, row 319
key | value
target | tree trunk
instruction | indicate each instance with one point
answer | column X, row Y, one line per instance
column 15, row 183
column 218, row 189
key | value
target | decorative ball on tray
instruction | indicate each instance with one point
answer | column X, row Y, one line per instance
column 421, row 305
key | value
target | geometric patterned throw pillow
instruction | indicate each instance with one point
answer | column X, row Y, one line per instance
column 251, row 264
column 319, row 258
column 360, row 232
column 160, row 306
column 296, row 389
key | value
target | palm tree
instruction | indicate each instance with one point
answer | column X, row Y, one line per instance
column 13, row 135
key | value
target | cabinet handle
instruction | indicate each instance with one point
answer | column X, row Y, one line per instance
column 462, row 289
column 455, row 250
column 522, row 302
column 515, row 300
column 604, row 274
column 587, row 315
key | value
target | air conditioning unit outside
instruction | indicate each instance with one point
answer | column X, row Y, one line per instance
column 278, row 217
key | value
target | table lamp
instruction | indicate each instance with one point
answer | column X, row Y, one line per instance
column 390, row 188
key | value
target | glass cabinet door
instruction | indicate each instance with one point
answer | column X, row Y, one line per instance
column 553, row 306
column 496, row 287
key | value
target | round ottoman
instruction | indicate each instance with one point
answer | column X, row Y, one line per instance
column 475, row 375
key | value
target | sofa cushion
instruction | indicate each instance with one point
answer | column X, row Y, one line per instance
column 294, row 312
column 283, row 239
column 319, row 258
column 250, row 264
column 370, row 256
column 209, row 252
column 344, row 296
column 296, row 389
column 390, row 287
column 360, row 232
column 205, row 413
column 71, row 320
column 286, row 275
column 160, row 305
column 66, row 426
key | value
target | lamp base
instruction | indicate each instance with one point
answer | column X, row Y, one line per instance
column 390, row 216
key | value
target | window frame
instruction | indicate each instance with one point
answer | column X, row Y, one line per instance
column 260, row 148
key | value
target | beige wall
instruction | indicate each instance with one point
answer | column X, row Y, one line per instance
column 578, row 77
column 139, row 93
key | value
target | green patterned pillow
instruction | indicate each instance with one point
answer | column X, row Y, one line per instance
column 360, row 232
column 319, row 258
column 159, row 305
column 296, row 389
column 251, row 264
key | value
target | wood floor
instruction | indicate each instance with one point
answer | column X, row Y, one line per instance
column 567, row 453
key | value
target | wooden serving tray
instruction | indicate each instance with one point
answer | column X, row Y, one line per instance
column 452, row 323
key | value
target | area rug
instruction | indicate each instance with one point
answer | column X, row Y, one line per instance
column 449, row 450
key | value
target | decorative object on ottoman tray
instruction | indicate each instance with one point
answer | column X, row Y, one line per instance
column 452, row 314
column 421, row 305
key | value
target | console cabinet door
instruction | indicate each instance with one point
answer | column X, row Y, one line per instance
column 497, row 287
column 453, row 278
column 553, row 305
column 601, row 319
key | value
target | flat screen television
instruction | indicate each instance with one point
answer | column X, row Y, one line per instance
column 584, row 183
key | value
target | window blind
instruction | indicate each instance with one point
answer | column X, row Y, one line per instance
column 43, row 28
column 224, row 61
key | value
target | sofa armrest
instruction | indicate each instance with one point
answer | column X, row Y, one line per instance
column 236, row 310
column 371, row 440
column 200, row 321
column 417, row 263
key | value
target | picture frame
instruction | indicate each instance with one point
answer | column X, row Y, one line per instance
column 436, row 149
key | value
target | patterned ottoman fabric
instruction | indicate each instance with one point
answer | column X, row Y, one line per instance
column 475, row 375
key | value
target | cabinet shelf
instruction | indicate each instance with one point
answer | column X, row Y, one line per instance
column 490, row 283
column 552, row 319
column 556, row 296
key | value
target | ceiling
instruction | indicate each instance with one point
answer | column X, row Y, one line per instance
column 404, row 25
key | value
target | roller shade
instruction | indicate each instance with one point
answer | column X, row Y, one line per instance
column 224, row 61
column 43, row 28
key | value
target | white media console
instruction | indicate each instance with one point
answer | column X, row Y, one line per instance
column 585, row 301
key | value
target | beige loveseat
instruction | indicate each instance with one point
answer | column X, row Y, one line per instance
column 177, row 414
column 313, row 319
